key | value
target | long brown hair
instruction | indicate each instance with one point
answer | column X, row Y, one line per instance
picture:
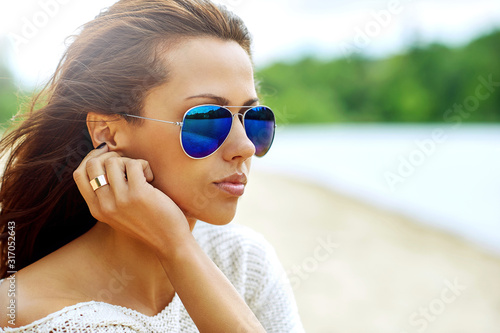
column 108, row 68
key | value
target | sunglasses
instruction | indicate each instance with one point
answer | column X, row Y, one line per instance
column 205, row 128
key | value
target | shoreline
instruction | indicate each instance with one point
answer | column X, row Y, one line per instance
column 405, row 213
column 439, row 186
column 381, row 266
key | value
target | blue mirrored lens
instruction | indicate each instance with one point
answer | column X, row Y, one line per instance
column 204, row 130
column 259, row 126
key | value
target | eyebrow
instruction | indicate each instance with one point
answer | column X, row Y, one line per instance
column 223, row 101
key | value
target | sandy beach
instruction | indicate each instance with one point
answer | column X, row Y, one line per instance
column 356, row 268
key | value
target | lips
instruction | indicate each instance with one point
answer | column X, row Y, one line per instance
column 233, row 185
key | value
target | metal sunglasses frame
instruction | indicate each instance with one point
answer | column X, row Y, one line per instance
column 180, row 123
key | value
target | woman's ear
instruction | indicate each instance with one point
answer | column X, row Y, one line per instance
column 103, row 128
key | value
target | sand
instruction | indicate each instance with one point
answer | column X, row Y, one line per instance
column 357, row 268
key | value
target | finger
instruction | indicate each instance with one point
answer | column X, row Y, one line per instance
column 115, row 170
column 96, row 167
column 94, row 153
column 148, row 173
column 81, row 176
column 138, row 172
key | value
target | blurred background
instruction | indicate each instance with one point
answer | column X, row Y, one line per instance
column 386, row 159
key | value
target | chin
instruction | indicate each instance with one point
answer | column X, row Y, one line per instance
column 218, row 222
column 213, row 212
column 215, row 216
column 219, row 219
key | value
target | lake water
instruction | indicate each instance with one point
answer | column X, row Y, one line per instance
column 441, row 175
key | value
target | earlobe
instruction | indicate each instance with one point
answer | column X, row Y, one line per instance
column 102, row 129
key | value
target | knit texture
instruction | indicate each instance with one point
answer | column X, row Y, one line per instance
column 243, row 255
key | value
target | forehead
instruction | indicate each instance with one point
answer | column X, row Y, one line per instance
column 209, row 65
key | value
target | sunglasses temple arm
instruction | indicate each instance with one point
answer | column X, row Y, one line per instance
column 177, row 123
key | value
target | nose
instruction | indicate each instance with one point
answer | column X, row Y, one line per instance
column 238, row 145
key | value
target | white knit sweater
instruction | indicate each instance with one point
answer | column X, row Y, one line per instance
column 244, row 256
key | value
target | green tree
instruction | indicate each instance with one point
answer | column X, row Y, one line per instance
column 8, row 92
column 417, row 86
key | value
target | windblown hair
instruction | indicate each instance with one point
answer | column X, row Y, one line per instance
column 108, row 68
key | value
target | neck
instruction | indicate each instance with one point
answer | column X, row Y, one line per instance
column 130, row 273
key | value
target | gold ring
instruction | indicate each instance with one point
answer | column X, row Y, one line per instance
column 99, row 182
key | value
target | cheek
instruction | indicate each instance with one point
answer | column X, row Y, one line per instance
column 182, row 179
column 188, row 182
column 161, row 148
column 174, row 174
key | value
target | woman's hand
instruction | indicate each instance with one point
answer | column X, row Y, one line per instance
column 130, row 203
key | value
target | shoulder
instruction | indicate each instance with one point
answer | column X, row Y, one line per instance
column 251, row 264
column 25, row 299
column 39, row 290
column 209, row 235
column 236, row 244
column 81, row 317
column 242, row 254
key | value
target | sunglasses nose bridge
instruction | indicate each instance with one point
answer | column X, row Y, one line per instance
column 240, row 116
column 241, row 131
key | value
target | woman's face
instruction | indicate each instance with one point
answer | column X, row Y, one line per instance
column 201, row 71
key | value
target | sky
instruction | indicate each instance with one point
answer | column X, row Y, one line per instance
column 34, row 31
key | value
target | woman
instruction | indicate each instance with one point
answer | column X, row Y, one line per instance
column 104, row 238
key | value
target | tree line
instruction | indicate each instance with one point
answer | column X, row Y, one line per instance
column 427, row 83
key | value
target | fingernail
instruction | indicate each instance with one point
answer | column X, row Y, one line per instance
column 101, row 145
